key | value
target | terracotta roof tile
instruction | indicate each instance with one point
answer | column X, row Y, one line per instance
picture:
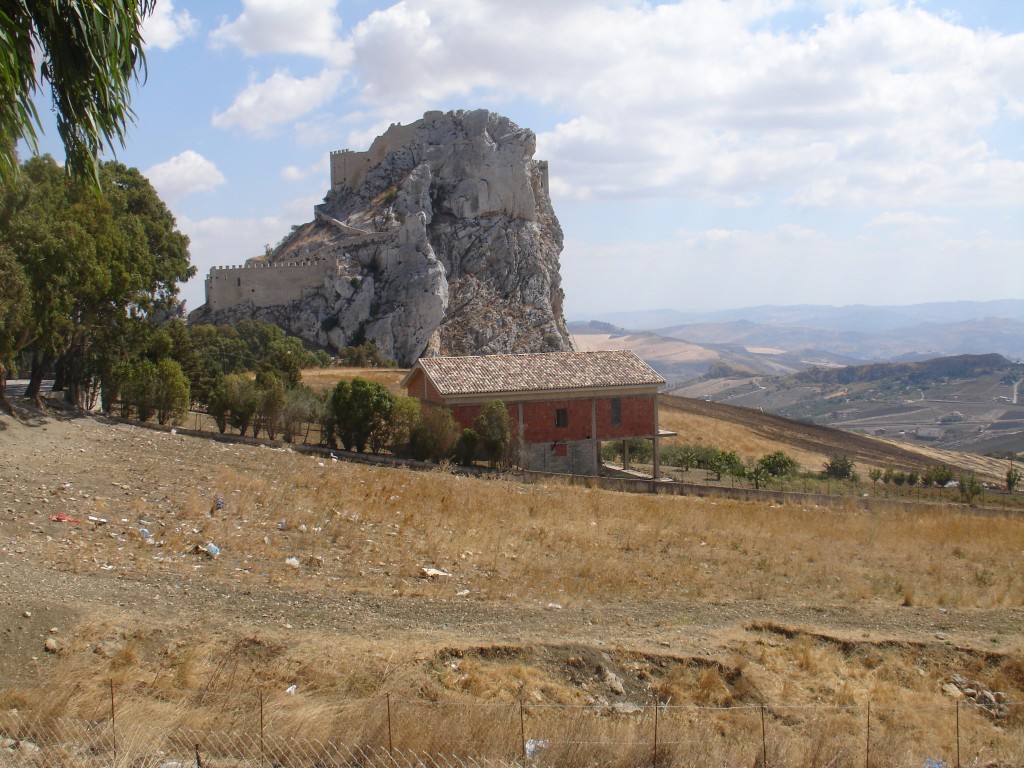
column 547, row 371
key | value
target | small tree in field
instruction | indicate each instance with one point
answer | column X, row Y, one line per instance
column 838, row 468
column 970, row 488
column 778, row 464
column 1013, row 478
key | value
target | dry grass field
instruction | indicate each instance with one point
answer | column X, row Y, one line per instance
column 562, row 615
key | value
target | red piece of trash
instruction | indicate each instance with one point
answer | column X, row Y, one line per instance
column 60, row 517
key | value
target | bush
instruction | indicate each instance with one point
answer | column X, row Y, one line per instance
column 433, row 438
column 778, row 464
column 839, row 468
column 494, row 431
column 466, row 447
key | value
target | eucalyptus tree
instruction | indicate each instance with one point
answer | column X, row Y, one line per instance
column 88, row 54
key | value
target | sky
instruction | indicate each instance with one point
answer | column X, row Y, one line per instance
column 703, row 154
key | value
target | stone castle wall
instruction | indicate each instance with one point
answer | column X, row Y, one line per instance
column 348, row 167
column 265, row 285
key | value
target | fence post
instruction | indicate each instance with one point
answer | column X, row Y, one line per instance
column 522, row 728
column 391, row 748
column 113, row 720
column 263, row 743
column 764, row 741
column 956, row 703
column 867, row 754
column 655, row 758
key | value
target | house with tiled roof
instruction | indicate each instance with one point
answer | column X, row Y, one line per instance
column 562, row 405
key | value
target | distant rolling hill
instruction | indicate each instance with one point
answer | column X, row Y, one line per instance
column 969, row 403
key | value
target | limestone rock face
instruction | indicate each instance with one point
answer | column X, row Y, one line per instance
column 440, row 239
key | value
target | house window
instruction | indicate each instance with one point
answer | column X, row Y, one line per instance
column 616, row 412
column 561, row 417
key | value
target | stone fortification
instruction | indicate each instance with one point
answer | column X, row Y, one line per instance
column 264, row 284
column 440, row 238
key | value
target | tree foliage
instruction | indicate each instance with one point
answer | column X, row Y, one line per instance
column 87, row 55
column 97, row 268
column 778, row 464
column 839, row 468
column 494, row 429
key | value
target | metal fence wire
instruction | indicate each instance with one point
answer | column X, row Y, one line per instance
column 144, row 728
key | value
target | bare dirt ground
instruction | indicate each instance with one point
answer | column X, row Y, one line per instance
column 78, row 496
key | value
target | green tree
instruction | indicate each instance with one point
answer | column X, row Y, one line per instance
column 778, row 464
column 875, row 474
column 970, row 487
column 938, row 474
column 494, row 428
column 16, row 331
column 218, row 405
column 270, row 401
column 171, row 391
column 141, row 391
column 362, row 409
column 405, row 414
column 433, row 438
column 243, row 400
column 88, row 54
column 1013, row 478
column 838, row 468
column 466, row 447
column 301, row 407
column 97, row 267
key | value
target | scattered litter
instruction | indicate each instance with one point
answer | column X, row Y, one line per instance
column 292, row 562
column 144, row 533
column 555, row 606
column 431, row 573
column 302, row 528
column 933, row 762
column 97, row 520
column 533, row 746
column 218, row 504
column 462, row 593
column 290, row 689
column 283, row 525
column 60, row 517
column 210, row 549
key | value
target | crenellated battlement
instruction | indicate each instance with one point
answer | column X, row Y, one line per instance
column 264, row 284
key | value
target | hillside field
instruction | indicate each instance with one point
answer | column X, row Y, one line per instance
column 559, row 614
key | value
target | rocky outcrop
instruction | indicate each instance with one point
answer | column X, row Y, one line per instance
column 440, row 239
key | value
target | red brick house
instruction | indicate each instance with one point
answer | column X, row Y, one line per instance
column 561, row 404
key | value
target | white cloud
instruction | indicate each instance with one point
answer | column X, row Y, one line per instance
column 908, row 220
column 165, row 29
column 280, row 99
column 320, row 169
column 184, row 174
column 875, row 104
column 307, row 27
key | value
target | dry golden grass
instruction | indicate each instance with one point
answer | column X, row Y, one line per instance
column 693, row 429
column 666, row 567
column 326, row 378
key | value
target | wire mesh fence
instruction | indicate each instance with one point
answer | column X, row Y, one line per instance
column 145, row 728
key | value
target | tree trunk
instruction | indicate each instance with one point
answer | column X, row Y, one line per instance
column 41, row 362
column 5, row 406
